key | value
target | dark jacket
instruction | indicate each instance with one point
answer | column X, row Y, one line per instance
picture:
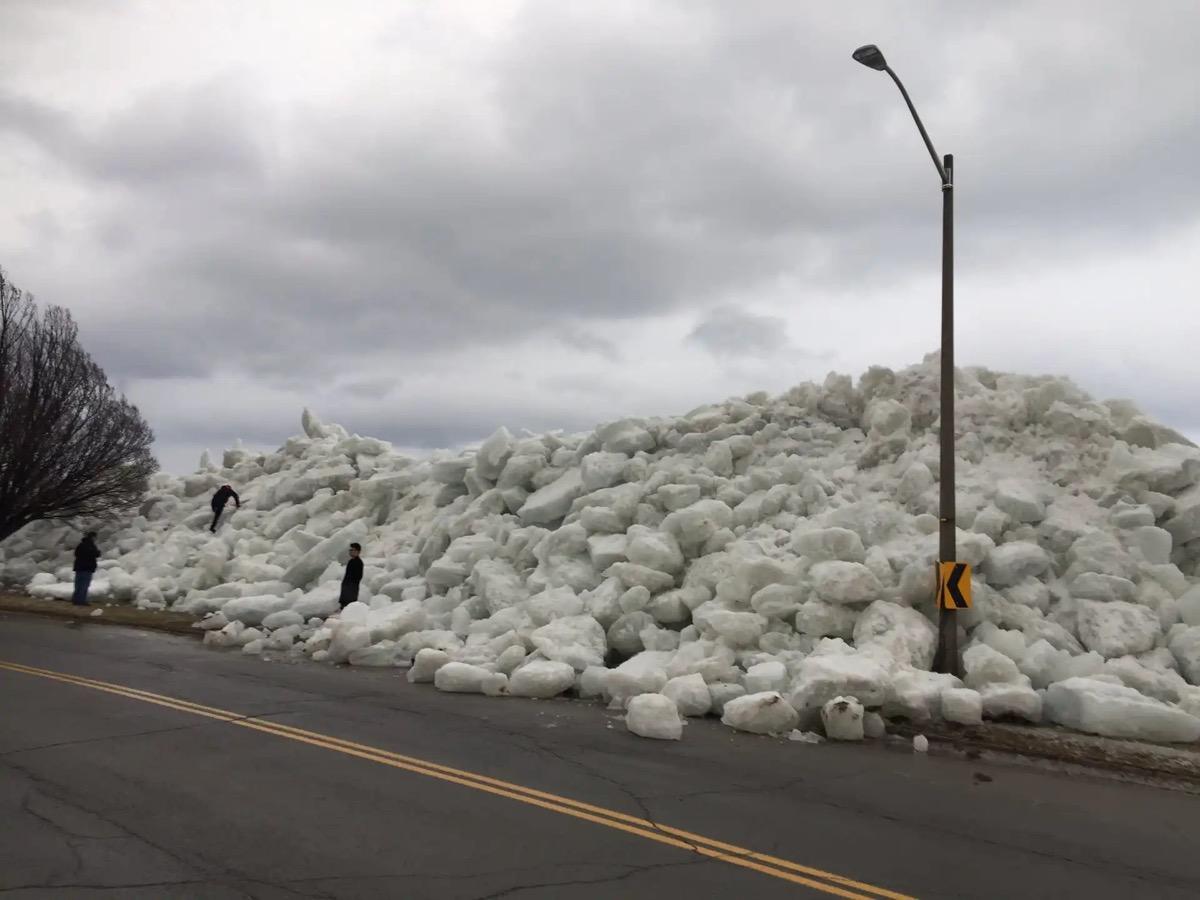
column 86, row 555
column 354, row 570
column 349, row 592
column 221, row 497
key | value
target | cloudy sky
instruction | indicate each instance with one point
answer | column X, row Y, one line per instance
column 424, row 220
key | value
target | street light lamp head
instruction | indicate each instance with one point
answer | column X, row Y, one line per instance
column 871, row 57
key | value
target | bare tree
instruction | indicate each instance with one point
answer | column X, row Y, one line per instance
column 70, row 445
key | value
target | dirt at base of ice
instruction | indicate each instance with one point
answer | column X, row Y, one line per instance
column 1164, row 765
column 777, row 552
column 111, row 614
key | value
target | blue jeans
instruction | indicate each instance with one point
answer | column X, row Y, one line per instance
column 83, row 580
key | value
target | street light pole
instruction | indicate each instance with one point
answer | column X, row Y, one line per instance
column 947, row 658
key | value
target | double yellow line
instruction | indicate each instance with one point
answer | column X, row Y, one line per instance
column 817, row 879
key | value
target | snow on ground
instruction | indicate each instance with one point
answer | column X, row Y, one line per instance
column 765, row 560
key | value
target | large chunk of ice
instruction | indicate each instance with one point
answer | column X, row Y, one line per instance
column 625, row 436
column 1185, row 645
column 903, row 632
column 1010, row 563
column 766, row 676
column 985, row 665
column 822, row 544
column 962, row 705
column 1113, row 710
column 837, row 581
column 600, row 470
column 654, row 549
column 821, row 678
column 690, row 695
column 645, row 673
column 843, row 719
column 426, row 665
column 916, row 694
column 654, row 716
column 578, row 641
column 1020, row 499
column 309, row 566
column 1116, row 629
column 541, row 678
column 817, row 618
column 550, row 503
column 763, row 713
column 1002, row 700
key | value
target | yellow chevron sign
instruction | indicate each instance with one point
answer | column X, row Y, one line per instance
column 953, row 585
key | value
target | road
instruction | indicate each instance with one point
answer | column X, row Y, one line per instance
column 300, row 780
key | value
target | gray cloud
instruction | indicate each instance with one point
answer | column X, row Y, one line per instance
column 732, row 332
column 580, row 175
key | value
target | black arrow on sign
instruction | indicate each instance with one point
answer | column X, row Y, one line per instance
column 957, row 600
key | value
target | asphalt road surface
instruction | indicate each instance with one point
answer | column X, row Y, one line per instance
column 140, row 765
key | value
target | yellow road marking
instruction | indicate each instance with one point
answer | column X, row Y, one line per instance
column 830, row 883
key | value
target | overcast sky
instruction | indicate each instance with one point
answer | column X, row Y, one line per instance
column 424, row 220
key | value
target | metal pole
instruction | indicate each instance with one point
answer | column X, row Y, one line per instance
column 937, row 163
column 947, row 658
column 947, row 655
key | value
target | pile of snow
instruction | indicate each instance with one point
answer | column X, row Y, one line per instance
column 765, row 560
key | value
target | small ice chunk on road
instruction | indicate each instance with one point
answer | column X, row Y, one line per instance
column 805, row 737
column 542, row 678
column 464, row 678
column 426, row 665
column 654, row 716
column 763, row 713
column 843, row 719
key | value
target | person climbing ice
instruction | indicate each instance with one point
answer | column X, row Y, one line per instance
column 354, row 573
column 86, row 555
column 220, row 498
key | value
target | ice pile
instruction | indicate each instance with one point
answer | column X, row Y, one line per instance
column 765, row 560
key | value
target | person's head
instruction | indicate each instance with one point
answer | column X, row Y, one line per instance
column 355, row 550
column 228, row 487
column 90, row 535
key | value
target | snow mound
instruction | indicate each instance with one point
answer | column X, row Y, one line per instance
column 755, row 559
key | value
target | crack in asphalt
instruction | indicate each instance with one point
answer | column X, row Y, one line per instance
column 441, row 876
column 69, row 840
column 99, row 739
column 111, row 887
column 630, row 872
column 49, row 790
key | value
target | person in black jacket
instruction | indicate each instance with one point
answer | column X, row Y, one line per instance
column 86, row 555
column 219, row 499
column 354, row 573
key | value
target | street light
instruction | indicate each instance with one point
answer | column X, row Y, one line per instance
column 947, row 659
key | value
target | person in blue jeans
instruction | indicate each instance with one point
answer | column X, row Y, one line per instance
column 86, row 555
